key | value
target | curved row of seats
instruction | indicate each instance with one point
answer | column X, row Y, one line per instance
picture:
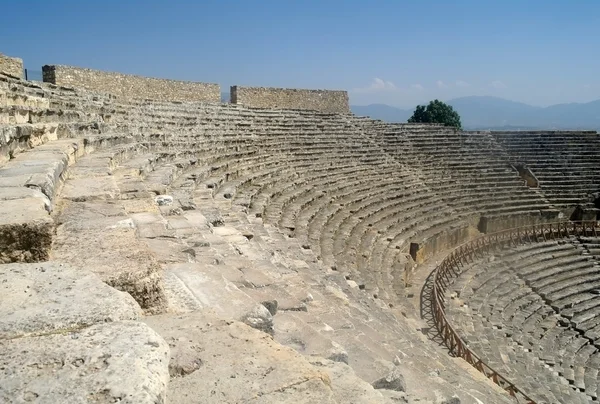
column 534, row 310
column 205, row 128
column 204, row 246
column 565, row 163
column 474, row 179
column 343, row 194
column 470, row 172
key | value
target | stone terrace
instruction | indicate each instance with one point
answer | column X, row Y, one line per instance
column 565, row 164
column 533, row 310
column 263, row 253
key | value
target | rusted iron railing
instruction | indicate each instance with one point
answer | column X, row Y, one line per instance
column 452, row 266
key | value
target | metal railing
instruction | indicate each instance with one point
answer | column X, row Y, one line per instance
column 451, row 267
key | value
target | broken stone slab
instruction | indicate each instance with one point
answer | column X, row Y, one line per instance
column 230, row 363
column 163, row 200
column 125, row 362
column 12, row 193
column 260, row 318
column 26, row 230
column 51, row 297
column 42, row 168
column 271, row 305
column 196, row 219
column 392, row 381
column 255, row 277
column 207, row 285
column 347, row 387
column 102, row 187
column 291, row 330
column 112, row 250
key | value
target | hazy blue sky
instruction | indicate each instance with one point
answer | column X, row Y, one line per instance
column 395, row 52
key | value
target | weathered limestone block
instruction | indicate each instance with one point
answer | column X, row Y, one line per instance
column 100, row 237
column 83, row 189
column 25, row 230
column 451, row 400
column 208, row 287
column 11, row 66
column 260, row 318
column 348, row 387
column 290, row 330
column 392, row 381
column 50, row 297
column 228, row 362
column 123, row 362
column 42, row 168
column 16, row 139
column 13, row 193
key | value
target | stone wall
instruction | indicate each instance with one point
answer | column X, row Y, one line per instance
column 131, row 86
column 290, row 98
column 11, row 66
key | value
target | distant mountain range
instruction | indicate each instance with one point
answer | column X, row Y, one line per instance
column 496, row 113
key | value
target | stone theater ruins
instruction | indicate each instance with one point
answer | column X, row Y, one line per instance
column 157, row 245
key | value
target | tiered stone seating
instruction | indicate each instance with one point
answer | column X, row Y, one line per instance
column 533, row 310
column 204, row 244
column 592, row 245
column 564, row 163
column 190, row 207
column 33, row 166
column 469, row 171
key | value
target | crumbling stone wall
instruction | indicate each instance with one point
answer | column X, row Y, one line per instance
column 131, row 86
column 291, row 98
column 11, row 66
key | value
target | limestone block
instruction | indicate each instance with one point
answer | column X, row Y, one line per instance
column 235, row 363
column 392, row 381
column 25, row 230
column 49, row 297
column 123, row 362
column 97, row 236
column 196, row 219
column 42, row 168
column 210, row 289
column 12, row 193
column 291, row 330
column 163, row 200
column 85, row 189
column 451, row 400
column 260, row 318
column 346, row 385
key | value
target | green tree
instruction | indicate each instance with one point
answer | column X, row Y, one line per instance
column 436, row 112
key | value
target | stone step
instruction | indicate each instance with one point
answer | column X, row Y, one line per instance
column 71, row 337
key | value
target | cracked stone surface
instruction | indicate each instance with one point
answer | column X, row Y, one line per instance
column 112, row 250
column 123, row 362
column 52, row 297
column 235, row 363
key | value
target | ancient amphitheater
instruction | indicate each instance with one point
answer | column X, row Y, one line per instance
column 159, row 246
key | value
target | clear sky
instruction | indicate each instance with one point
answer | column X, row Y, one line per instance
column 395, row 52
